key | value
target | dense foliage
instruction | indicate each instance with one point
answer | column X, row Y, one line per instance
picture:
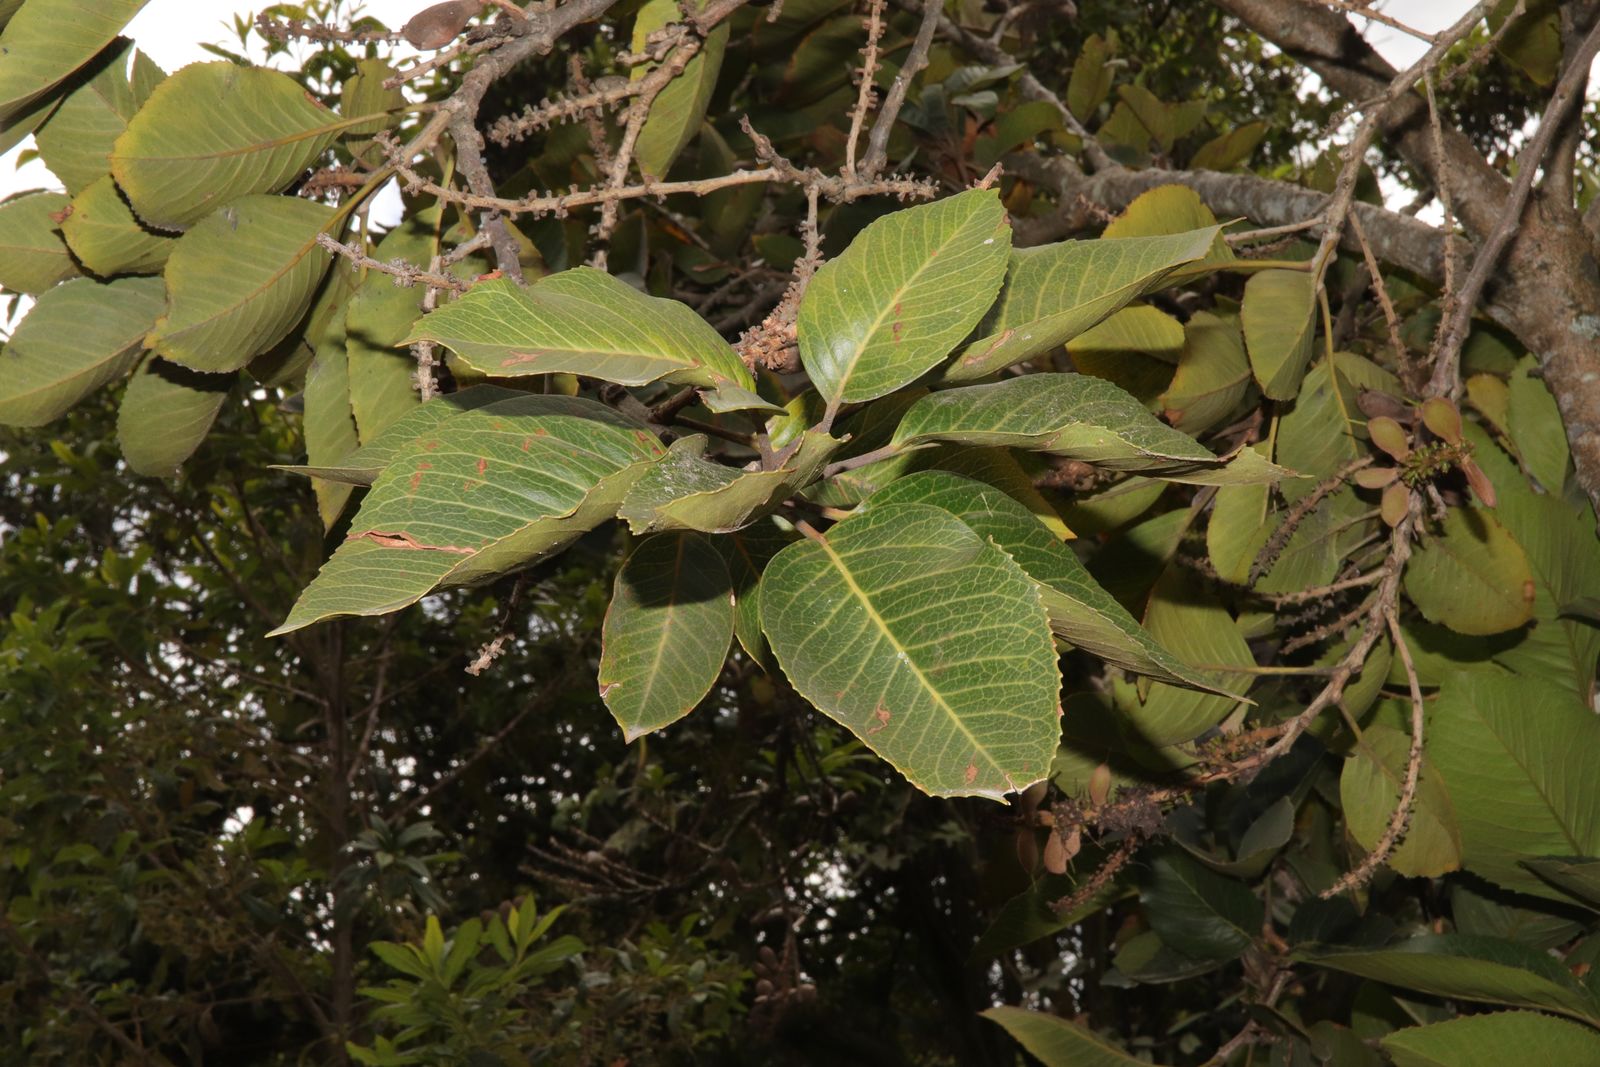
column 592, row 618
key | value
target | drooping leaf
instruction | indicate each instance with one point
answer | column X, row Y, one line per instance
column 1472, row 576
column 1325, row 429
column 380, row 317
column 166, row 413
column 363, row 94
column 239, row 281
column 1091, row 79
column 361, row 466
column 79, row 336
column 1055, row 292
column 33, row 257
column 1213, row 375
column 1515, row 754
column 1229, row 150
column 1072, row 415
column 1484, row 969
column 686, row 491
column 214, row 132
column 926, row 641
column 1170, row 210
column 329, row 425
column 906, row 291
column 584, row 321
column 1196, row 911
column 494, row 489
column 1238, row 529
column 678, row 110
column 76, row 143
column 1135, row 349
column 666, row 632
column 1535, row 426
column 46, row 40
column 1195, row 626
column 1492, row 1040
column 1057, row 1042
column 1576, row 876
column 747, row 553
column 105, row 235
column 1080, row 611
column 1279, row 316
column 1480, row 909
column 1369, row 789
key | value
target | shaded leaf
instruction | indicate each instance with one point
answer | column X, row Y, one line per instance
column 666, row 632
column 1369, row 789
column 678, row 110
column 1535, row 427
column 1576, row 876
column 686, row 491
column 79, row 336
column 239, row 281
column 214, row 132
column 1190, row 622
column 584, row 321
column 76, row 143
column 1055, row 292
column 1213, row 375
column 106, row 236
column 46, row 40
column 1325, row 429
column 329, row 425
column 1196, row 911
column 493, row 490
column 747, row 553
column 166, row 413
column 926, row 641
column 1279, row 316
column 1229, row 150
column 1471, row 576
column 906, row 291
column 33, row 257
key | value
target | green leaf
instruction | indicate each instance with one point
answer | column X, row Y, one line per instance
column 1492, row 1041
column 1472, row 576
column 79, row 336
column 1516, row 754
column 1533, row 42
column 1196, row 911
column 926, row 641
column 1230, row 149
column 363, row 94
column 1057, row 1042
column 33, row 256
column 584, row 321
column 76, row 143
column 166, row 413
column 1213, row 375
column 1369, row 789
column 1325, row 430
column 493, row 490
column 105, row 235
column 1576, row 876
column 906, row 291
column 329, row 426
column 1238, row 529
column 214, row 132
column 1080, row 611
column 1535, row 427
column 678, row 110
column 1169, row 210
column 361, row 466
column 1280, row 323
column 686, row 491
column 1186, row 619
column 1055, row 292
column 381, row 314
column 1072, row 415
column 1090, row 82
column 46, row 40
column 1485, row 969
column 666, row 632
column 239, row 281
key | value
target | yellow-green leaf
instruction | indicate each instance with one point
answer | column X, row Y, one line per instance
column 166, row 413
column 46, row 40
column 105, row 235
column 1279, row 317
column 1471, row 576
column 33, row 257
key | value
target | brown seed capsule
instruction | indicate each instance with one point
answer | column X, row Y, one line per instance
column 437, row 26
column 1388, row 435
column 1055, row 854
column 1376, row 477
column 1395, row 503
column 1442, row 417
column 1482, row 487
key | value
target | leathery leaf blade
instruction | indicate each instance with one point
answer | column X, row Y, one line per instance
column 584, row 321
column 1073, row 415
column 929, row 643
column 1058, row 1042
column 906, row 291
column 666, row 632
column 46, row 40
column 1055, row 292
column 686, row 491
column 494, row 489
column 1491, row 1040
column 1080, row 611
column 166, row 414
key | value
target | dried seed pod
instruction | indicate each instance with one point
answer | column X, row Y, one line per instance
column 1389, row 436
column 1443, row 418
column 436, row 26
column 1376, row 477
column 1396, row 502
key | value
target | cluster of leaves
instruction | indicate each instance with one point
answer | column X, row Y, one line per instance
column 879, row 531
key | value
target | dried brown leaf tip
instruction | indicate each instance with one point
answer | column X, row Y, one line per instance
column 437, row 26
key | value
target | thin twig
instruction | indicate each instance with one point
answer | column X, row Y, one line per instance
column 865, row 92
column 878, row 140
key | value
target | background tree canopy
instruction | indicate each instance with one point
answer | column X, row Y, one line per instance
column 592, row 620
